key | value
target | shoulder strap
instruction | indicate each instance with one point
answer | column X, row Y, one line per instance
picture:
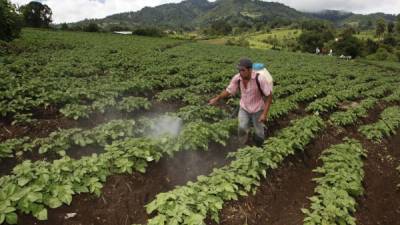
column 258, row 85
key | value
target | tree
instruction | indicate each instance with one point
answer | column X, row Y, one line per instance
column 64, row 26
column 36, row 14
column 398, row 24
column 369, row 24
column 348, row 45
column 310, row 40
column 91, row 27
column 348, row 31
column 220, row 27
column 10, row 21
column 370, row 47
column 380, row 27
column 316, row 25
column 390, row 27
column 315, row 34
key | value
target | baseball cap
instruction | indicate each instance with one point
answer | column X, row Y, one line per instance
column 245, row 63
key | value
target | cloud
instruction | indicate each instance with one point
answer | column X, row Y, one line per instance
column 357, row 6
column 75, row 10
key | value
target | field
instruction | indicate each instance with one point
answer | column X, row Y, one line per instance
column 110, row 129
column 368, row 34
column 262, row 40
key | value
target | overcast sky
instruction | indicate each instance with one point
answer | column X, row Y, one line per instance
column 75, row 10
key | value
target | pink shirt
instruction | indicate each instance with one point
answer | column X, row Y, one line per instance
column 251, row 99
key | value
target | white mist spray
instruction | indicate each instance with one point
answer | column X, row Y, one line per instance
column 165, row 125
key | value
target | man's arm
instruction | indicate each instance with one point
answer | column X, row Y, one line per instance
column 229, row 91
column 222, row 95
column 264, row 115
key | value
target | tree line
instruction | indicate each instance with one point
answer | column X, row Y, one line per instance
column 322, row 35
column 12, row 19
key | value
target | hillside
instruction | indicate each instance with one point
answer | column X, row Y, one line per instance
column 192, row 14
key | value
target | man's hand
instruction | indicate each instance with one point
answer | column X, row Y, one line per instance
column 213, row 101
column 263, row 118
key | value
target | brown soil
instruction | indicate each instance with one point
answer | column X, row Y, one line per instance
column 41, row 129
column 7, row 164
column 124, row 196
column 277, row 201
column 286, row 190
column 380, row 204
column 51, row 122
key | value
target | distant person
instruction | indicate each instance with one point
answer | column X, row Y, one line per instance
column 317, row 51
column 346, row 57
column 330, row 52
column 255, row 101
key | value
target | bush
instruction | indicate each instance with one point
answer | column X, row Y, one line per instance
column 118, row 28
column 151, row 32
column 10, row 21
column 238, row 42
column 381, row 54
column 390, row 40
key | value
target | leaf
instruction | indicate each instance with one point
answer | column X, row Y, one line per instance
column 8, row 210
column 81, row 189
column 195, row 219
column 2, row 218
column 22, row 181
column 41, row 215
column 11, row 218
column 20, row 194
column 54, row 202
column 66, row 198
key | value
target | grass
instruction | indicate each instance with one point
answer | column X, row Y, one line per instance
column 364, row 35
column 282, row 35
column 257, row 39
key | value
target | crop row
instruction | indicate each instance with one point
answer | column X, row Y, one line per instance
column 387, row 125
column 62, row 140
column 34, row 186
column 340, row 182
column 190, row 204
column 351, row 115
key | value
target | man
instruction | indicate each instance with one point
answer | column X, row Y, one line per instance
column 253, row 106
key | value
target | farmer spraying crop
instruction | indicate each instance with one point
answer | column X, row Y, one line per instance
column 255, row 85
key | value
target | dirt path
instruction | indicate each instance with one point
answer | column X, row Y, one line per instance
column 285, row 191
column 380, row 204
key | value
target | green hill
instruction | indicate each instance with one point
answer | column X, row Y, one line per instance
column 193, row 14
column 341, row 18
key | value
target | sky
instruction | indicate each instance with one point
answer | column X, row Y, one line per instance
column 76, row 10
